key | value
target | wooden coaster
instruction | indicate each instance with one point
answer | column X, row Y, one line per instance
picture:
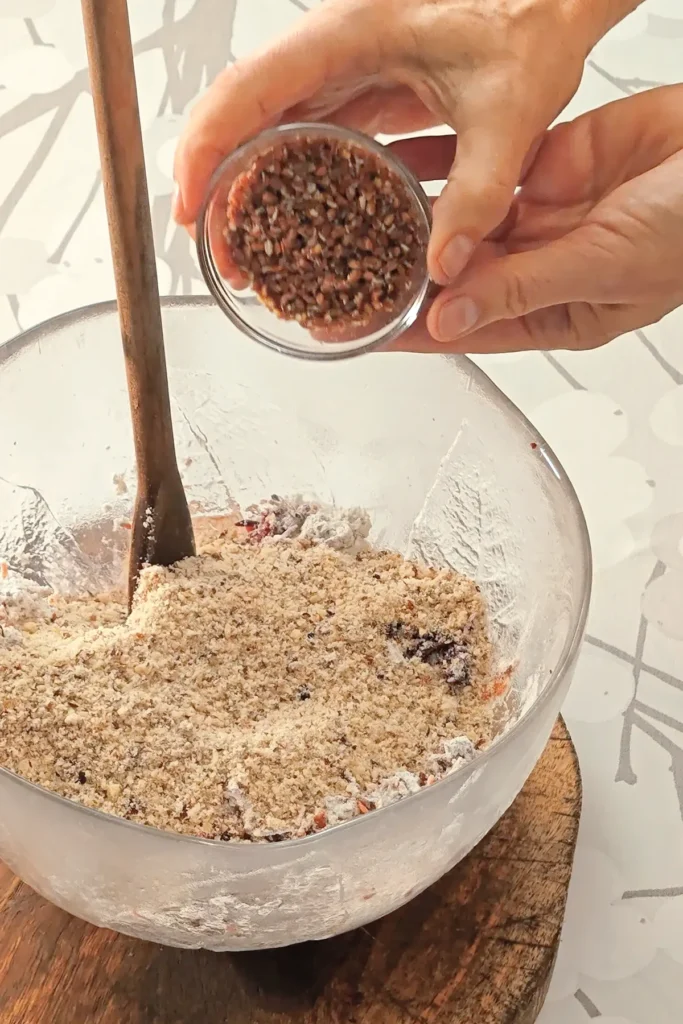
column 476, row 948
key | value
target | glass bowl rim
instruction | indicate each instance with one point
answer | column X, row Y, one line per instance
column 565, row 662
column 213, row 280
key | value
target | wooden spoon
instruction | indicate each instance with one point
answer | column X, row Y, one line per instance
column 162, row 527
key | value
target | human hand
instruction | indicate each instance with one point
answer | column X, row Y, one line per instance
column 491, row 69
column 593, row 247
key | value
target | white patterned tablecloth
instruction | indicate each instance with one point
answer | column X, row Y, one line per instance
column 614, row 416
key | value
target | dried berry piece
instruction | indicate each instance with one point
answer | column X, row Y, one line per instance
column 325, row 233
column 432, row 648
column 277, row 517
column 320, row 820
column 277, row 837
column 133, row 807
column 436, row 649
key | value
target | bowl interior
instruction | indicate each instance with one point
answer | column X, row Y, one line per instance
column 449, row 470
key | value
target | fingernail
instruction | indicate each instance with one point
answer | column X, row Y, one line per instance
column 177, row 209
column 456, row 317
column 455, row 256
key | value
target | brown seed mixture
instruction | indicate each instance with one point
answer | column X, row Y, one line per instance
column 325, row 233
column 258, row 691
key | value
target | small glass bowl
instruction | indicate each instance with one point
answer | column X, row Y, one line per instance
column 243, row 306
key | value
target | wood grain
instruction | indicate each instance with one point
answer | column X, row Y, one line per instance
column 476, row 948
column 162, row 529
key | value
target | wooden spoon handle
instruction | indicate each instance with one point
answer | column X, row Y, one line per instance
column 112, row 76
column 162, row 527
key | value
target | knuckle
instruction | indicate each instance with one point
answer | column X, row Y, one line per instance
column 587, row 326
column 229, row 76
column 195, row 148
column 617, row 246
column 514, row 295
column 532, row 333
column 220, row 89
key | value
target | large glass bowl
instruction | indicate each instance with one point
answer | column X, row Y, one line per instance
column 451, row 472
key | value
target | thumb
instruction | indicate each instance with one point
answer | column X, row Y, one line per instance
column 509, row 287
column 480, row 188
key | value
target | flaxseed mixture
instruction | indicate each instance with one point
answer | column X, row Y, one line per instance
column 285, row 679
column 325, row 233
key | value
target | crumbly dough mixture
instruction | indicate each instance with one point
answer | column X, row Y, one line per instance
column 285, row 679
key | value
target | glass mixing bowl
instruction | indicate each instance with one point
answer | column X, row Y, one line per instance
column 451, row 472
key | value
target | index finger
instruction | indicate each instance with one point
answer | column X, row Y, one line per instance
column 253, row 94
